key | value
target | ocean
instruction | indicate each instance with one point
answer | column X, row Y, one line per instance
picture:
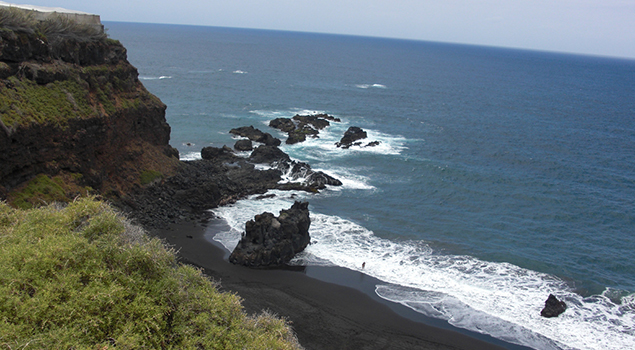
column 501, row 176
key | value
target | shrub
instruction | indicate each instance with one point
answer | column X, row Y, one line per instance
column 83, row 277
column 149, row 175
column 54, row 26
column 16, row 19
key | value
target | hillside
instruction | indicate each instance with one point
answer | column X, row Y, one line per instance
column 74, row 117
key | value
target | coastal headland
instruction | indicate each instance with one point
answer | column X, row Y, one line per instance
column 77, row 121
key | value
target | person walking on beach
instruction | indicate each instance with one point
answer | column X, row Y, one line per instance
column 363, row 265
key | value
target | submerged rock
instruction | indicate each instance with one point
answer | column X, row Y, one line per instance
column 553, row 307
column 273, row 241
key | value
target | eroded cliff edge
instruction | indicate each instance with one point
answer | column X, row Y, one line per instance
column 73, row 110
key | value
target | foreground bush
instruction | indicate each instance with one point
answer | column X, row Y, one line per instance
column 82, row 277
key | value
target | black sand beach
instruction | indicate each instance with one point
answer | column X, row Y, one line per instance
column 324, row 315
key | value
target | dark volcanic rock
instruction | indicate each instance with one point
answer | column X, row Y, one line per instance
column 316, row 179
column 243, row 145
column 282, row 124
column 295, row 137
column 271, row 241
column 268, row 155
column 256, row 135
column 351, row 135
column 302, row 126
column 553, row 307
column 209, row 153
column 310, row 180
column 315, row 120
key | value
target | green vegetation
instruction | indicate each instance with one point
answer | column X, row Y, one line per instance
column 82, row 277
column 43, row 190
column 25, row 102
column 53, row 27
column 149, row 175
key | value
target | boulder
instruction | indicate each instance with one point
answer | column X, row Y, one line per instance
column 256, row 135
column 211, row 153
column 282, row 124
column 351, row 135
column 314, row 179
column 302, row 125
column 328, row 117
column 243, row 145
column 273, row 241
column 315, row 120
column 268, row 155
column 295, row 137
column 553, row 307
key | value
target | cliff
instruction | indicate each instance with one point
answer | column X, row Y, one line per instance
column 74, row 116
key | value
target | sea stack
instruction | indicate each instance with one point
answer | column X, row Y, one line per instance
column 274, row 241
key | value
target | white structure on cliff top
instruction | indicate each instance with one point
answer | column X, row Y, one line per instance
column 41, row 13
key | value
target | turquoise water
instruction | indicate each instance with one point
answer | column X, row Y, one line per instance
column 502, row 175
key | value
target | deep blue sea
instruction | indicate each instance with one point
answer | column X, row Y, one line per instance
column 501, row 176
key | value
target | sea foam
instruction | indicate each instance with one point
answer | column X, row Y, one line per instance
column 495, row 298
column 162, row 77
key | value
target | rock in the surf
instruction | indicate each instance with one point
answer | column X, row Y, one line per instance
column 351, row 135
column 311, row 180
column 243, row 145
column 212, row 153
column 256, row 135
column 273, row 241
column 553, row 307
column 301, row 126
column 271, row 155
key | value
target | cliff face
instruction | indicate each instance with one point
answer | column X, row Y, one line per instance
column 74, row 106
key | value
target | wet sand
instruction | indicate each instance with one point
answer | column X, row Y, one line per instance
column 328, row 307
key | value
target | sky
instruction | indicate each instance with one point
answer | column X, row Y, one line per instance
column 595, row 27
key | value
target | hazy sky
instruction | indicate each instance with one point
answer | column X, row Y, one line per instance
column 599, row 27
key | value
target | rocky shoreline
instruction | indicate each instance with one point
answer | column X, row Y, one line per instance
column 221, row 177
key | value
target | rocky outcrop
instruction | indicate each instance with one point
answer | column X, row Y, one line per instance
column 553, row 307
column 352, row 136
column 220, row 178
column 301, row 126
column 73, row 105
column 310, row 180
column 273, row 241
column 243, row 145
column 256, row 135
column 214, row 153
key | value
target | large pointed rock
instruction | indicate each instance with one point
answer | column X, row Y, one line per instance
column 273, row 241
column 553, row 307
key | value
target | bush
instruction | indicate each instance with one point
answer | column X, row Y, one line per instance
column 16, row 19
column 83, row 277
column 149, row 175
column 54, row 26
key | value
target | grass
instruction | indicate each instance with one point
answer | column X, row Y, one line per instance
column 55, row 26
column 149, row 175
column 43, row 189
column 25, row 102
column 83, row 277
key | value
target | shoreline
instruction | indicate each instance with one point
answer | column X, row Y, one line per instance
column 328, row 307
